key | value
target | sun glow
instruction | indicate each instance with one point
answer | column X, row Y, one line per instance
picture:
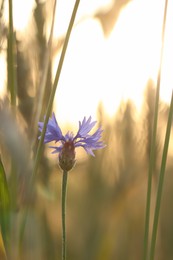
column 167, row 73
column 21, row 13
column 115, row 68
column 108, row 69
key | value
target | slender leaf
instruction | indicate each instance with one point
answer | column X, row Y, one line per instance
column 161, row 181
column 153, row 141
column 4, row 203
column 11, row 58
column 2, row 249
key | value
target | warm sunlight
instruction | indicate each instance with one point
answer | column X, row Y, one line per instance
column 118, row 67
column 21, row 12
column 108, row 69
column 90, row 114
column 3, row 73
column 167, row 79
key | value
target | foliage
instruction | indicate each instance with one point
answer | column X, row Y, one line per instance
column 106, row 194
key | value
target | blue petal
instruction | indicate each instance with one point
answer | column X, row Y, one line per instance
column 82, row 138
column 57, row 149
column 69, row 136
column 85, row 127
column 91, row 142
column 89, row 151
column 53, row 131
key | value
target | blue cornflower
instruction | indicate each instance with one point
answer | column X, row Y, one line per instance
column 68, row 142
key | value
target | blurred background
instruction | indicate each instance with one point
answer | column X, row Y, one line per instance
column 110, row 72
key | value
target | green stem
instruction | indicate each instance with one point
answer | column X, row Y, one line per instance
column 52, row 95
column 11, row 57
column 161, row 179
column 43, row 79
column 153, row 143
column 50, row 103
column 63, row 211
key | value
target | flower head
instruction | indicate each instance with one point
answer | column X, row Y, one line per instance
column 67, row 143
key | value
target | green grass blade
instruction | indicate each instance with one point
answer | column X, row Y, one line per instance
column 51, row 99
column 4, row 203
column 153, row 143
column 12, row 85
column 150, row 172
column 52, row 95
column 161, row 180
column 3, row 255
column 42, row 85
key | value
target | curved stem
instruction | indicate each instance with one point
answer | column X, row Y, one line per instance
column 12, row 84
column 51, row 98
column 161, row 180
column 153, row 144
column 54, row 87
column 63, row 212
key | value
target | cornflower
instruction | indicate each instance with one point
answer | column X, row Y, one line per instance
column 66, row 145
column 69, row 142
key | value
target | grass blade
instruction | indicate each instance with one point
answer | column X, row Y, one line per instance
column 3, row 255
column 4, row 203
column 52, row 95
column 161, row 180
column 11, row 58
column 153, row 143
column 42, row 84
column 51, row 99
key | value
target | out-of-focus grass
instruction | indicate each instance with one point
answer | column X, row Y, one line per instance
column 2, row 249
column 106, row 194
column 153, row 148
column 11, row 63
column 161, row 181
column 4, row 205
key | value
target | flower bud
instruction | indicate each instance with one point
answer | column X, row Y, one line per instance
column 67, row 156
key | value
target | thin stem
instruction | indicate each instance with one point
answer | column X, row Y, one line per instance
column 42, row 84
column 11, row 58
column 161, row 179
column 153, row 142
column 52, row 95
column 63, row 211
column 4, row 207
column 40, row 145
